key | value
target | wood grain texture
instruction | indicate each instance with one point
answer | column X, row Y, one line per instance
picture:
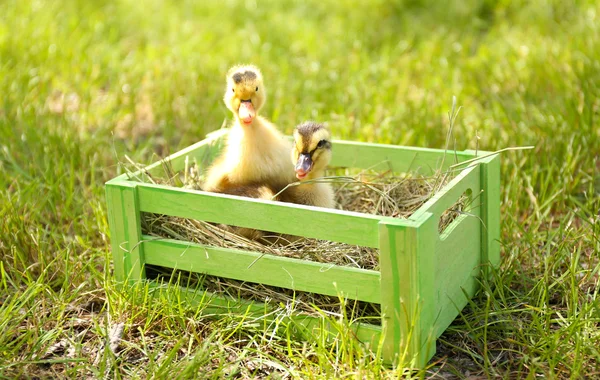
column 490, row 208
column 321, row 223
column 457, row 267
column 125, row 230
column 398, row 158
column 289, row 273
column 407, row 284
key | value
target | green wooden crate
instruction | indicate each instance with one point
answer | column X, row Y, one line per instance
column 425, row 278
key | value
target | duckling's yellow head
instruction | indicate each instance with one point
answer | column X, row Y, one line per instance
column 245, row 93
column 312, row 150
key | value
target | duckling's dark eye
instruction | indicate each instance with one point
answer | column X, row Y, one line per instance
column 257, row 89
column 233, row 90
column 321, row 143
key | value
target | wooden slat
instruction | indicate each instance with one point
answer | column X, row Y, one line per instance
column 315, row 222
column 398, row 158
column 303, row 326
column 299, row 275
column 490, row 209
column 118, row 231
column 125, row 229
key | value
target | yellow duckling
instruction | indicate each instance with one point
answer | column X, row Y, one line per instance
column 256, row 152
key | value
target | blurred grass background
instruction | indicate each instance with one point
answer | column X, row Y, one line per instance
column 84, row 83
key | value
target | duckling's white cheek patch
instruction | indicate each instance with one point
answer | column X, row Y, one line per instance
column 246, row 112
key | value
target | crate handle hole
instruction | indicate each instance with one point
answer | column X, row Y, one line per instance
column 451, row 217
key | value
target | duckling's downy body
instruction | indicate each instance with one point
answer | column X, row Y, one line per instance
column 256, row 153
column 311, row 154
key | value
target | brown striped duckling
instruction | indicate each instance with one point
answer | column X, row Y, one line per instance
column 311, row 154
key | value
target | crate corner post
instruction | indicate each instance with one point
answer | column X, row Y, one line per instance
column 490, row 208
column 124, row 222
column 407, row 290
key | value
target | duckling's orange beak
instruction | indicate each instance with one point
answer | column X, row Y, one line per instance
column 246, row 112
column 303, row 166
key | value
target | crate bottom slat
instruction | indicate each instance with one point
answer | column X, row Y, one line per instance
column 300, row 275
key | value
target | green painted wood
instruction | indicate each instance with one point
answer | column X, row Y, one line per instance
column 457, row 257
column 427, row 236
column 457, row 267
column 315, row 222
column 354, row 154
column 118, row 230
column 289, row 273
column 303, row 326
column 490, row 208
column 125, row 227
column 468, row 179
column 407, row 284
column 398, row 158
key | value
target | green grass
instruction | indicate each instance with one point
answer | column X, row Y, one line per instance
column 83, row 83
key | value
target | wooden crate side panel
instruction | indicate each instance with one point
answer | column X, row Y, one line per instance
column 458, row 249
column 457, row 268
column 261, row 313
column 125, row 229
column 315, row 222
column 299, row 275
column 490, row 208
column 398, row 158
column 469, row 244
